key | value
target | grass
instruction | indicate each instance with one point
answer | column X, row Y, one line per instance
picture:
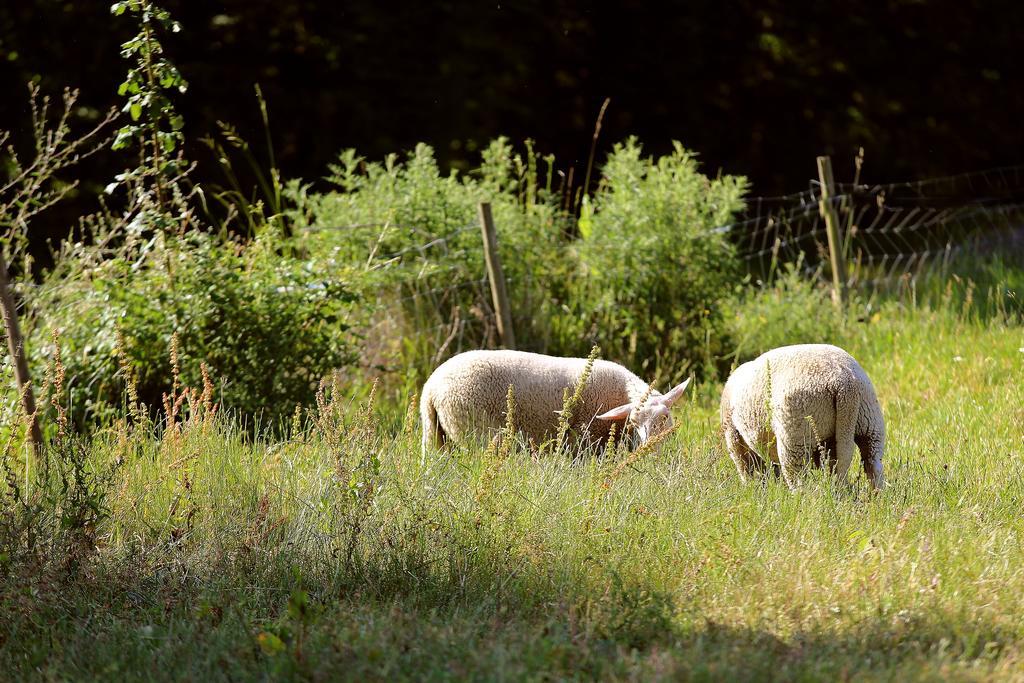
column 339, row 554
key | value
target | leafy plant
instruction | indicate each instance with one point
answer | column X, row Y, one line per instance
column 653, row 275
column 155, row 127
column 413, row 232
column 645, row 279
column 268, row 328
column 796, row 308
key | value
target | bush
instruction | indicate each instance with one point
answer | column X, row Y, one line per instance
column 794, row 309
column 653, row 276
column 644, row 279
column 268, row 327
column 413, row 234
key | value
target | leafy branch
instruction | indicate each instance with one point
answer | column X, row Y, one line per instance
column 155, row 127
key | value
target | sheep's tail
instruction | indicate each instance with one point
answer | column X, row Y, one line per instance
column 433, row 433
column 847, row 411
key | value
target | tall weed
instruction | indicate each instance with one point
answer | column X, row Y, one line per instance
column 654, row 276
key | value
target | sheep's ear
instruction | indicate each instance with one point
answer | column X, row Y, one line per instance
column 616, row 414
column 677, row 391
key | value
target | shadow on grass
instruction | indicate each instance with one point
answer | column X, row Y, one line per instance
column 179, row 624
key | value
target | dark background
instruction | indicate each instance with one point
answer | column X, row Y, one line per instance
column 928, row 87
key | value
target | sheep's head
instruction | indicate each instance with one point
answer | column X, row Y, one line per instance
column 650, row 418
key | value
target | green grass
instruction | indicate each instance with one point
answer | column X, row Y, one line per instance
column 338, row 554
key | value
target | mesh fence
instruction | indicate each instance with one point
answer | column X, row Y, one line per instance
column 890, row 230
column 434, row 284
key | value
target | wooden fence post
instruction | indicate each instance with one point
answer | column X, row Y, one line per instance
column 832, row 229
column 497, row 277
column 16, row 345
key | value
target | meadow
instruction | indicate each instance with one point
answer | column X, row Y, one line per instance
column 336, row 551
column 229, row 483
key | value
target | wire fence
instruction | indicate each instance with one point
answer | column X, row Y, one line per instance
column 440, row 288
column 890, row 231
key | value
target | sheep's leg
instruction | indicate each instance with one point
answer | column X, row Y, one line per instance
column 844, row 456
column 791, row 459
column 847, row 409
column 790, row 463
column 748, row 463
column 434, row 436
column 871, row 447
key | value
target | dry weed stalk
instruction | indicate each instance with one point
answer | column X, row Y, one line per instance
column 55, row 380
column 411, row 418
column 297, row 432
column 634, row 457
column 206, row 398
column 820, row 444
column 571, row 401
column 136, row 412
column 498, row 450
column 175, row 400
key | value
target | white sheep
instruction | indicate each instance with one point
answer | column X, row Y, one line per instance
column 466, row 395
column 801, row 400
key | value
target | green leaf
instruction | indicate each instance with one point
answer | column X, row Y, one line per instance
column 118, row 8
column 860, row 540
column 586, row 221
column 135, row 110
column 270, row 643
column 124, row 137
column 298, row 604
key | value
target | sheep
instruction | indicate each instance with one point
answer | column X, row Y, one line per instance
column 797, row 399
column 466, row 395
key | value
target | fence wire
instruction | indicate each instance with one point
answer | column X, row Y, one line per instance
column 413, row 231
column 889, row 230
column 430, row 281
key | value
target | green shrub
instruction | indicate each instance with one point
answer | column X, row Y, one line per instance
column 793, row 309
column 653, row 275
column 268, row 327
column 645, row 279
column 413, row 233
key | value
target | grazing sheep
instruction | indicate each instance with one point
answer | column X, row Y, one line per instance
column 466, row 395
column 799, row 400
